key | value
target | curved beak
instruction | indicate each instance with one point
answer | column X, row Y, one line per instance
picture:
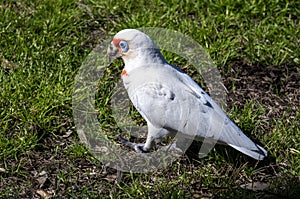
column 112, row 53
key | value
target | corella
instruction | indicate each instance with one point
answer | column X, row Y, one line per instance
column 170, row 101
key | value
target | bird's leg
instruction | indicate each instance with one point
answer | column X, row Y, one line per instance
column 138, row 147
column 154, row 135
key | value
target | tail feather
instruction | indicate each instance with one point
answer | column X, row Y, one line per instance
column 234, row 137
column 258, row 154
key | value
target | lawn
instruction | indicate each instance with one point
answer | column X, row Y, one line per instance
column 254, row 44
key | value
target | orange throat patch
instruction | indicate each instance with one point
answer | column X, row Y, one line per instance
column 124, row 73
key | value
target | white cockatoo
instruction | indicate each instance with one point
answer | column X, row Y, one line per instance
column 169, row 100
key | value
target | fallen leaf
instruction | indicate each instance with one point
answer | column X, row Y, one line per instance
column 42, row 173
column 42, row 180
column 43, row 194
column 255, row 186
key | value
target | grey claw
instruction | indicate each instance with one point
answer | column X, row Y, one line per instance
column 139, row 148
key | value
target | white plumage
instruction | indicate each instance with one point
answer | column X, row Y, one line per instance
column 169, row 100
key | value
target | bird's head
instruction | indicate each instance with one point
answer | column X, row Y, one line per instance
column 130, row 45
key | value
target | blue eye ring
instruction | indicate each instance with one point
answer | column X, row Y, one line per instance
column 124, row 46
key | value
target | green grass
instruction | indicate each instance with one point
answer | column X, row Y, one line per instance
column 42, row 46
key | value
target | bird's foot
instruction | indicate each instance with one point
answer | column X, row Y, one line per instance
column 138, row 147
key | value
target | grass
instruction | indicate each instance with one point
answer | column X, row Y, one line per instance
column 43, row 44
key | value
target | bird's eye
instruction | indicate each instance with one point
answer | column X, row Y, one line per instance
column 124, row 46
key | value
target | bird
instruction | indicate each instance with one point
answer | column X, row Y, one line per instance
column 169, row 100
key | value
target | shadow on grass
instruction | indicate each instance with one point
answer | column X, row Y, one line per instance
column 267, row 178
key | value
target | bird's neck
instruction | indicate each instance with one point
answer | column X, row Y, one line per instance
column 143, row 58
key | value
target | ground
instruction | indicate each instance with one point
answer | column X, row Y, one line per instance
column 254, row 45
